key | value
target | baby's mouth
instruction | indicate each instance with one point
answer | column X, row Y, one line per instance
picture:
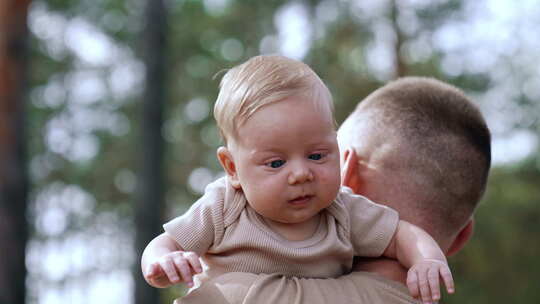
column 301, row 200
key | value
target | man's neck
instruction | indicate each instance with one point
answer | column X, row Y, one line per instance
column 388, row 268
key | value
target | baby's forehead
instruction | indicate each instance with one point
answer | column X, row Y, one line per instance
column 316, row 96
column 315, row 99
column 281, row 119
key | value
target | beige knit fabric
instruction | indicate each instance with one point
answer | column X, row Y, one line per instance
column 248, row 288
column 231, row 237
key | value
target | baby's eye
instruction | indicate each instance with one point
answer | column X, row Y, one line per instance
column 316, row 156
column 276, row 163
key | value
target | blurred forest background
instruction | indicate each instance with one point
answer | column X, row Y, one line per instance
column 106, row 128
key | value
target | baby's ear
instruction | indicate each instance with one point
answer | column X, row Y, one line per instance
column 227, row 162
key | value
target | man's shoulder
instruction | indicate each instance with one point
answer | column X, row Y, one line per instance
column 375, row 288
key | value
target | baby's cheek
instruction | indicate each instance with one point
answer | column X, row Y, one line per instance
column 260, row 192
column 330, row 182
column 331, row 174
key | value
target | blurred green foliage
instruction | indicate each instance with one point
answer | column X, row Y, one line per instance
column 205, row 37
column 500, row 261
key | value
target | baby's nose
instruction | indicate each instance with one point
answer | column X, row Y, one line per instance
column 300, row 174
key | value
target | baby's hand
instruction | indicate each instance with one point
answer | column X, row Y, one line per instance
column 423, row 280
column 168, row 269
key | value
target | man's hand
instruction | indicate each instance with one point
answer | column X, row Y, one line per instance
column 172, row 268
column 423, row 280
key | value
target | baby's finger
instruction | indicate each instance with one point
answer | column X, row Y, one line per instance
column 412, row 283
column 424, row 286
column 433, row 279
column 447, row 278
column 194, row 261
column 185, row 270
column 169, row 269
column 151, row 270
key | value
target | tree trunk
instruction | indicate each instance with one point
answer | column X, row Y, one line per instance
column 150, row 204
column 13, row 176
column 400, row 68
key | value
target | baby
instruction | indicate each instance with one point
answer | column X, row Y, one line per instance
column 280, row 208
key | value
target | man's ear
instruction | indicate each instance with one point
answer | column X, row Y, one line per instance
column 349, row 172
column 462, row 238
column 227, row 162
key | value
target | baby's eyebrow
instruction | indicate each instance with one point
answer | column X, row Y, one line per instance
column 321, row 145
column 266, row 149
column 262, row 153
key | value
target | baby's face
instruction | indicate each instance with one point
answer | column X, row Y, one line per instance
column 287, row 159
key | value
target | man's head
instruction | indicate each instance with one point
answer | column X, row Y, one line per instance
column 421, row 147
column 260, row 81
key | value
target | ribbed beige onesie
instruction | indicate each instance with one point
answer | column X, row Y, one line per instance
column 230, row 236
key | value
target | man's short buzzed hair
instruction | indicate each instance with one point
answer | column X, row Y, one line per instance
column 449, row 140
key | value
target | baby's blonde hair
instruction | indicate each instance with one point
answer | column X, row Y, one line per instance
column 259, row 81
